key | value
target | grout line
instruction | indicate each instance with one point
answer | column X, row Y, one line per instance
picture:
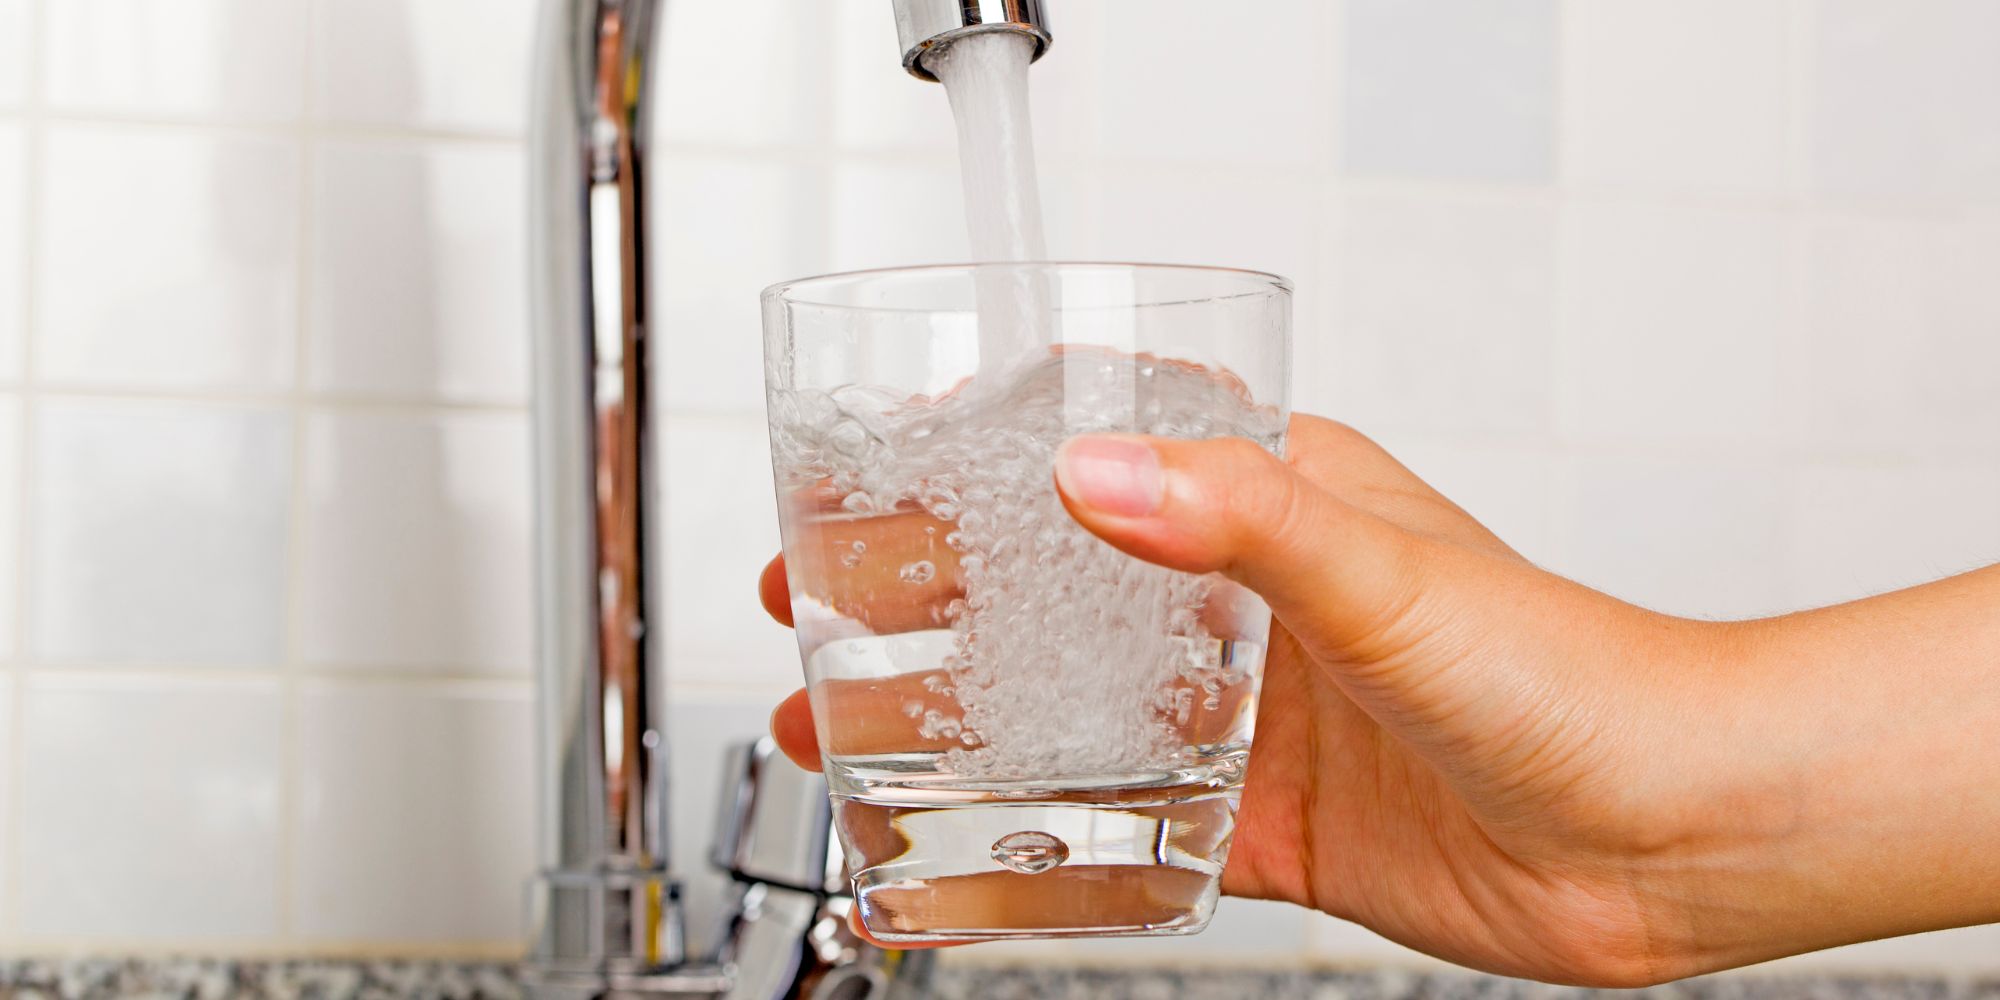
column 117, row 673
column 355, row 402
column 290, row 769
column 1558, row 78
column 282, row 127
column 1800, row 96
column 11, row 864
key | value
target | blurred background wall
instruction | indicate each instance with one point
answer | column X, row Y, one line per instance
column 1694, row 300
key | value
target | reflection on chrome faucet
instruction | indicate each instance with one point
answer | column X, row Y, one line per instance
column 607, row 913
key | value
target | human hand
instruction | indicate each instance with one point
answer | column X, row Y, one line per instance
column 1473, row 756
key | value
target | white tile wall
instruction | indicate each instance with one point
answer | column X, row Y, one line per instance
column 1446, row 312
column 16, row 50
column 414, row 798
column 1899, row 103
column 168, row 258
column 1673, row 323
column 1857, row 530
column 10, row 520
column 1698, row 537
column 229, row 58
column 13, row 246
column 1693, row 301
column 149, row 808
column 416, row 548
column 158, row 532
column 769, row 53
column 726, row 227
column 1898, row 312
column 1658, row 92
column 1459, row 89
column 450, row 65
column 1273, row 54
column 416, row 287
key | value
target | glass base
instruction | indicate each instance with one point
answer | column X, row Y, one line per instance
column 992, row 870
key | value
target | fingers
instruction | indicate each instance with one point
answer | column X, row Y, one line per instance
column 1225, row 505
column 792, row 729
column 891, row 573
column 775, row 592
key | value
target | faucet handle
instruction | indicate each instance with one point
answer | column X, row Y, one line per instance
column 775, row 825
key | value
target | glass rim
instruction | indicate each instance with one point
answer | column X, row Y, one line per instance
column 783, row 291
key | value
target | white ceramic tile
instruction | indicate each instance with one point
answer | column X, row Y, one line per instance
column 877, row 104
column 149, row 808
column 415, row 812
column 1181, row 83
column 1857, row 531
column 1215, row 217
column 1964, row 950
column 1449, row 312
column 226, row 58
column 725, row 228
column 418, row 264
column 7, row 769
column 1450, row 88
column 15, row 39
column 1673, row 323
column 748, row 72
column 1676, row 92
column 1068, row 88
column 1342, row 943
column 890, row 214
column 440, row 64
column 1319, row 344
column 416, row 542
column 1510, row 489
column 159, row 532
column 11, row 487
column 13, row 246
column 722, row 527
column 1902, row 98
column 1703, row 539
column 1900, row 353
column 168, row 259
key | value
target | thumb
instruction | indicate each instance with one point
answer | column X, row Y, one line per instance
column 1337, row 576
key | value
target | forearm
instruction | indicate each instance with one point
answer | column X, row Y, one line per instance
column 1875, row 727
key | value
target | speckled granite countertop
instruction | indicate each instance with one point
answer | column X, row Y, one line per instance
column 206, row 979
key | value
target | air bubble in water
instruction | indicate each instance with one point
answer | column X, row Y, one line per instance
column 1030, row 852
column 1066, row 656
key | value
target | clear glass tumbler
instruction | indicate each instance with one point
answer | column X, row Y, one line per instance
column 1026, row 732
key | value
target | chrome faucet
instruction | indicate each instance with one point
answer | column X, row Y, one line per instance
column 605, row 906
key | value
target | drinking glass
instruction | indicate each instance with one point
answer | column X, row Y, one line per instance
column 1026, row 732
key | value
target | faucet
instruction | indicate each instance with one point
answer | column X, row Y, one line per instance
column 605, row 905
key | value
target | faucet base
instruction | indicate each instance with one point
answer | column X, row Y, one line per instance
column 595, row 924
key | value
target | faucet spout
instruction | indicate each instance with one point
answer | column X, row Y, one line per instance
column 926, row 27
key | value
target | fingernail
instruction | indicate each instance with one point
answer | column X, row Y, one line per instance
column 1115, row 475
